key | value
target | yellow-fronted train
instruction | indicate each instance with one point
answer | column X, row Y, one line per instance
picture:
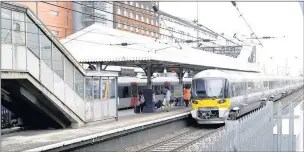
column 220, row 95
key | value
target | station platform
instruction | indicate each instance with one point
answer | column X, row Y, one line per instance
column 39, row 140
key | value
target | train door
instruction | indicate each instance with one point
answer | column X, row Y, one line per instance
column 134, row 94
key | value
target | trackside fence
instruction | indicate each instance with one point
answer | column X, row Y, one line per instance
column 253, row 132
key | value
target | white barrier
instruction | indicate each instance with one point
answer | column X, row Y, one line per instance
column 253, row 132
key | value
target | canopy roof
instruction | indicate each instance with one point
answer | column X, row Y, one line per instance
column 101, row 44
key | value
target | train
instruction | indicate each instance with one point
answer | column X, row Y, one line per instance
column 220, row 95
column 129, row 88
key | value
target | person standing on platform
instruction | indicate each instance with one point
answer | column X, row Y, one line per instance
column 141, row 101
column 167, row 99
column 187, row 95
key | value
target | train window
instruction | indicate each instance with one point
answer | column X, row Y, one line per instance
column 140, row 88
column 265, row 84
column 157, row 90
column 172, row 89
column 227, row 93
column 124, row 92
column 250, row 87
column 239, row 89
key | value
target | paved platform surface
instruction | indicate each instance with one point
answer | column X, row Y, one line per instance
column 26, row 140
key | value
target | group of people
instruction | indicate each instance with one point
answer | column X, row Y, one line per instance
column 166, row 102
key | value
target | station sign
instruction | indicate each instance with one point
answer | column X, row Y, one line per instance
column 178, row 90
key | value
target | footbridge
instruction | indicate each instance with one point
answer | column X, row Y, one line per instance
column 42, row 83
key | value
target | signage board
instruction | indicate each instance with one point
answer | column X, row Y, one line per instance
column 178, row 90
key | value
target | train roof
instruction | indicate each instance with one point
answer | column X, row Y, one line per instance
column 157, row 80
column 240, row 76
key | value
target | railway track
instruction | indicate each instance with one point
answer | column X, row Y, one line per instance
column 183, row 140
column 179, row 142
column 285, row 103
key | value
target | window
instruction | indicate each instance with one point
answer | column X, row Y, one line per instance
column 142, row 6
column 79, row 86
column 57, row 60
column 125, row 13
column 55, row 13
column 142, row 18
column 156, row 23
column 136, row 29
column 96, row 88
column 6, row 25
column 136, row 16
column 152, row 22
column 131, row 15
column 136, row 4
column 125, row 26
column 147, row 20
column 147, row 32
column 131, row 28
column 68, row 73
column 131, row 2
column 46, row 50
column 156, row 35
column 152, row 33
column 55, row 33
column 142, row 30
column 147, row 9
column 118, row 24
column 126, row 2
column 32, row 40
column 18, row 28
column 118, row 11
column 88, row 88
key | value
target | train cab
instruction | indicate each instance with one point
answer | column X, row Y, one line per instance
column 210, row 97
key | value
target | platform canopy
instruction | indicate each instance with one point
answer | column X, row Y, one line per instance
column 99, row 44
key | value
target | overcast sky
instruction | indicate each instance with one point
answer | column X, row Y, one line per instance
column 275, row 19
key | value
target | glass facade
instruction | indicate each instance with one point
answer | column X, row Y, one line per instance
column 18, row 29
column 28, row 49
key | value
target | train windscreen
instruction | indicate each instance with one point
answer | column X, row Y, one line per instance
column 209, row 88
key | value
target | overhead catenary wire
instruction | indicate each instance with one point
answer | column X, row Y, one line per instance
column 121, row 16
column 99, row 33
column 83, row 30
column 241, row 15
column 117, row 15
column 92, row 42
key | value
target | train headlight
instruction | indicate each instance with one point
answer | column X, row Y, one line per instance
column 194, row 102
column 221, row 101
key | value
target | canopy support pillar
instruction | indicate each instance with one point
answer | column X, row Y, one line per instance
column 180, row 72
column 149, row 75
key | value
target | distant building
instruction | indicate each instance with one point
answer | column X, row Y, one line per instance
column 58, row 20
column 90, row 12
column 137, row 17
column 174, row 31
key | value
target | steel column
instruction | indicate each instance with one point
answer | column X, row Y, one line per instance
column 279, row 126
column 149, row 74
column 180, row 76
column 116, row 98
column 0, row 63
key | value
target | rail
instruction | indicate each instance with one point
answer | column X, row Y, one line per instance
column 252, row 132
column 180, row 141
